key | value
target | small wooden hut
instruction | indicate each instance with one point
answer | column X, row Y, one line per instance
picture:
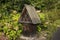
column 29, row 19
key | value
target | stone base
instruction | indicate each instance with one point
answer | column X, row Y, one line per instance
column 28, row 38
column 32, row 38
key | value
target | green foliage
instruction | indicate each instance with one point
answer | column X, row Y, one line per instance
column 9, row 24
column 38, row 28
column 50, row 20
column 57, row 22
column 44, row 21
column 53, row 19
column 42, row 16
column 8, row 5
column 10, row 13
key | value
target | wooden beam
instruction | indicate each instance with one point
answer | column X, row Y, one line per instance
column 24, row 22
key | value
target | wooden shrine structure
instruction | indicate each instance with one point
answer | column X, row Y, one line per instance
column 29, row 19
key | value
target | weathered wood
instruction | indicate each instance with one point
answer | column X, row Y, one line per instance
column 29, row 29
column 29, row 18
column 32, row 14
column 25, row 22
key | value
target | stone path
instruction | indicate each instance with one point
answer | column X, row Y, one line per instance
column 56, row 35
